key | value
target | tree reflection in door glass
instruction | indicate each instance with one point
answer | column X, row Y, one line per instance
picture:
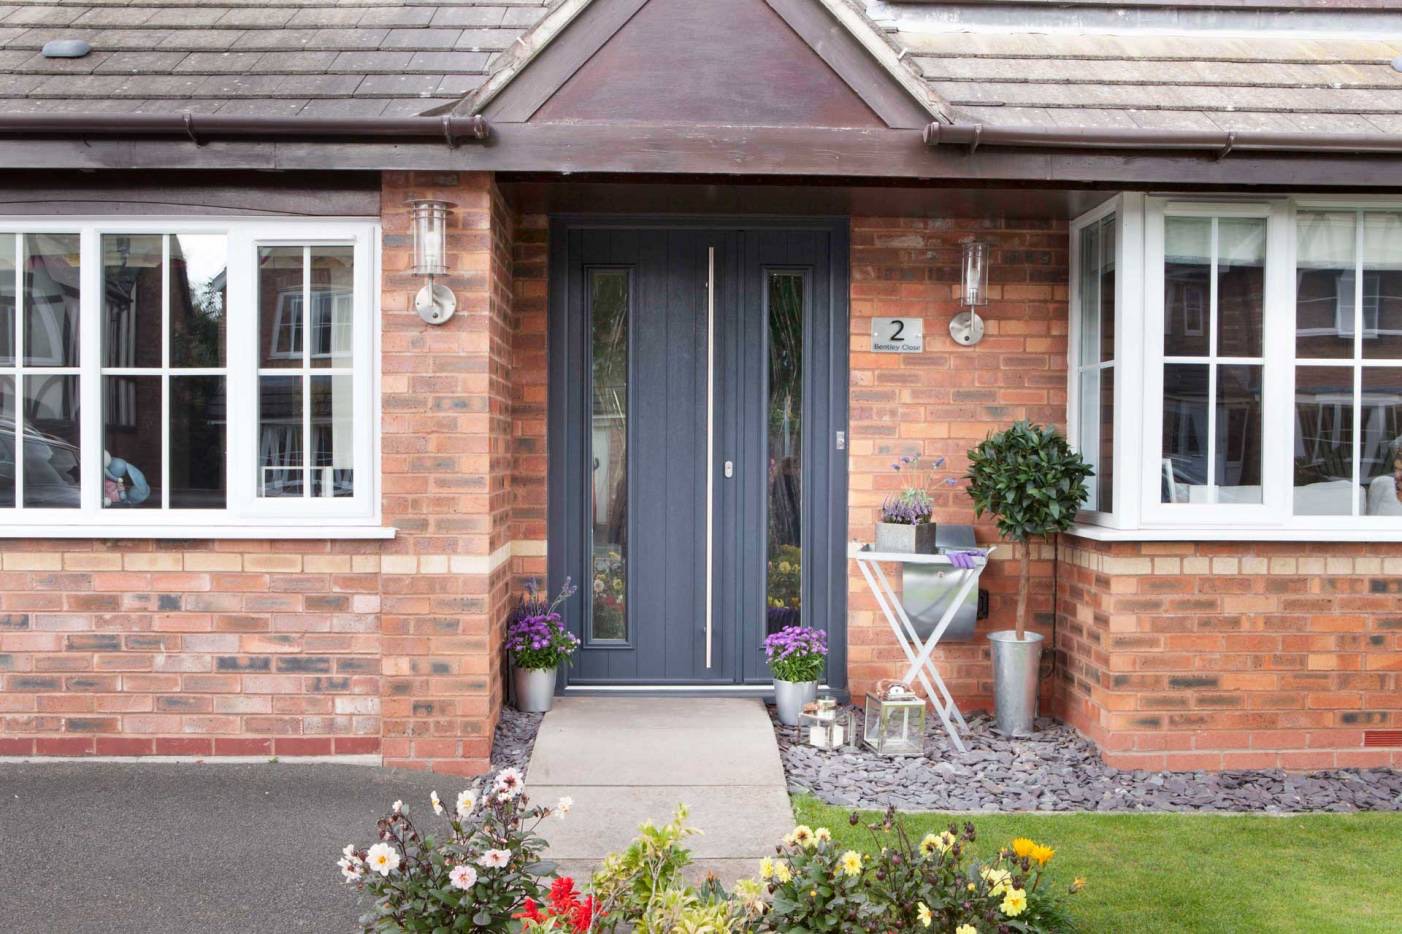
column 784, row 591
column 608, row 321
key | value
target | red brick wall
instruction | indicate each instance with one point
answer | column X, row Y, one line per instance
column 294, row 648
column 1232, row 655
column 944, row 401
column 529, row 387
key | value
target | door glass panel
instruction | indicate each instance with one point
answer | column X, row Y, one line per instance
column 784, row 591
column 608, row 325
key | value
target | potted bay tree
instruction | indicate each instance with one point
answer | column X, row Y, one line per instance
column 1033, row 484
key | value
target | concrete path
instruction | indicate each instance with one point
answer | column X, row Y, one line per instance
column 625, row 760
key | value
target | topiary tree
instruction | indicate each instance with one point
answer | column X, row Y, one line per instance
column 1033, row 484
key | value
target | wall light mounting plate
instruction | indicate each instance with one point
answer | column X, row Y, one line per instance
column 966, row 328
column 435, row 303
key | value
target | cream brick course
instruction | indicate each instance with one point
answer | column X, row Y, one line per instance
column 153, row 561
column 92, row 561
column 276, row 564
column 207, row 561
column 33, row 561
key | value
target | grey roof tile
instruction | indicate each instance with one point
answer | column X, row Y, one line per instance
column 458, row 85
column 486, row 39
column 46, row 16
column 421, row 38
column 219, row 62
column 344, row 107
column 146, row 62
column 197, row 40
column 114, row 16
column 397, row 85
column 185, row 17
column 371, row 61
column 523, row 16
column 318, row 85
column 266, row 39
column 449, row 63
column 263, row 106
column 398, row 16
column 469, row 16
column 304, row 61
column 349, row 38
column 263, row 17
column 327, row 17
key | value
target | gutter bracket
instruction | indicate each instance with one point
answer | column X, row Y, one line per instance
column 1227, row 149
column 189, row 121
column 448, row 132
column 978, row 137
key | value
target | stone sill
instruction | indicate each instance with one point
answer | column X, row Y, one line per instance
column 1102, row 533
column 200, row 532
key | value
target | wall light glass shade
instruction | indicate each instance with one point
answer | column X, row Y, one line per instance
column 975, row 278
column 430, row 224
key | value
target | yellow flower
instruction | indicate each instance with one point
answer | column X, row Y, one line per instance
column 937, row 843
column 822, row 835
column 966, row 929
column 923, row 911
column 1078, row 884
column 852, row 863
column 1014, row 903
column 803, row 835
column 785, row 567
column 1042, row 854
column 766, row 868
column 999, row 881
column 782, row 873
column 972, row 887
column 1023, row 847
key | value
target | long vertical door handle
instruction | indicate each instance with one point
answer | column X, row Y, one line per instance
column 710, row 440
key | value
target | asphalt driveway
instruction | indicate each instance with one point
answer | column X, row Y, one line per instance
column 122, row 848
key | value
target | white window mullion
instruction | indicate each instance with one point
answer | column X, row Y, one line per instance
column 19, row 371
column 166, row 272
column 89, row 370
column 241, row 381
column 306, row 372
column 1212, row 365
column 1358, row 243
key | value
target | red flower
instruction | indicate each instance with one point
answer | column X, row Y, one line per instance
column 562, row 894
column 529, row 911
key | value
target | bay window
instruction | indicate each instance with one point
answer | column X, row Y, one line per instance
column 187, row 377
column 1258, row 345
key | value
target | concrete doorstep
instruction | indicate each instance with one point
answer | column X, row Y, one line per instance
column 628, row 760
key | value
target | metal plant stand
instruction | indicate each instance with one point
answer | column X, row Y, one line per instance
column 920, row 654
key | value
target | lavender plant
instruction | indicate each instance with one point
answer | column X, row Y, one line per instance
column 914, row 505
column 796, row 653
column 536, row 635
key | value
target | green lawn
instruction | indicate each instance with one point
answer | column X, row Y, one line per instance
column 1199, row 872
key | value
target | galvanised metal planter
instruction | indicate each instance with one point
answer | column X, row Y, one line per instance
column 789, row 698
column 1015, row 667
column 535, row 689
column 895, row 537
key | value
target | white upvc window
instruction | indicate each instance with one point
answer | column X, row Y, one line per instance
column 1257, row 367
column 180, row 377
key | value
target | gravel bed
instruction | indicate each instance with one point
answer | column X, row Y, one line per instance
column 1059, row 770
column 514, row 738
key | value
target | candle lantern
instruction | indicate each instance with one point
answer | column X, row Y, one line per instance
column 826, row 725
column 895, row 721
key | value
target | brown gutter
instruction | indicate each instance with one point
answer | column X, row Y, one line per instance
column 203, row 128
column 1216, row 142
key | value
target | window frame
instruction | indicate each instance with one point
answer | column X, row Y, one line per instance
column 1139, row 515
column 245, row 515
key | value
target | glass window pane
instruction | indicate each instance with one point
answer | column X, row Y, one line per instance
column 1093, row 422
column 131, row 442
column 1187, row 287
column 1381, row 449
column 1324, row 285
column 7, row 441
column 51, row 455
column 131, row 300
column 1107, row 288
column 51, row 284
column 198, row 431
column 198, row 288
column 280, row 436
column 280, row 306
column 1090, row 295
column 1105, row 465
column 1324, row 441
column 1241, row 283
column 1184, row 465
column 332, row 439
column 7, row 300
column 1238, row 450
column 333, row 304
column 785, row 568
column 608, row 324
column 1382, row 286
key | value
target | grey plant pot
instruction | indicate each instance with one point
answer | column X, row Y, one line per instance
column 535, row 689
column 789, row 698
column 893, row 537
column 1015, row 668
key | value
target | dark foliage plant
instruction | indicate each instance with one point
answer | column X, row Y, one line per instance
column 1033, row 484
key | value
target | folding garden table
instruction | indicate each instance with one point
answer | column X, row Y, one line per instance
column 921, row 654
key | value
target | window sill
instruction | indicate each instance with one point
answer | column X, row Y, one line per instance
column 201, row 532
column 1234, row 534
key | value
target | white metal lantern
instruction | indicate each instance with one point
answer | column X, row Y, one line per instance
column 967, row 327
column 435, row 302
column 895, row 721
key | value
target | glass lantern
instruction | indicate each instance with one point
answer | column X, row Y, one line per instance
column 826, row 725
column 895, row 722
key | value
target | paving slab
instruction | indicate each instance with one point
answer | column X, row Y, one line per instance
column 627, row 760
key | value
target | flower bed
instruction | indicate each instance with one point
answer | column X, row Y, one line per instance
column 487, row 871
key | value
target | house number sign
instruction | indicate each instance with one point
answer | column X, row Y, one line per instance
column 897, row 335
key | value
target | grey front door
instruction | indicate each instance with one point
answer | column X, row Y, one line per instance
column 678, row 485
